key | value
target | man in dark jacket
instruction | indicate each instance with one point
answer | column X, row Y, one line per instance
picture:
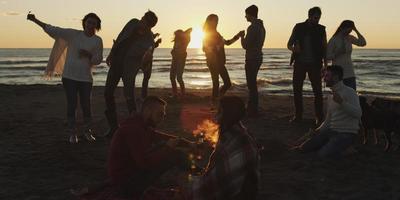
column 308, row 44
column 253, row 42
column 133, row 46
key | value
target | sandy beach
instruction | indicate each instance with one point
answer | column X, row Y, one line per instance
column 37, row 162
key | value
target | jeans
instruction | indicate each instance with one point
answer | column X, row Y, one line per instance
column 176, row 72
column 125, row 68
column 350, row 82
column 314, row 74
column 218, row 69
column 329, row 143
column 251, row 69
column 72, row 89
column 146, row 77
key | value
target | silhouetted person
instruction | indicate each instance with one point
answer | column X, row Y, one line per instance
column 253, row 42
column 340, row 48
column 179, row 54
column 341, row 124
column 74, row 55
column 213, row 47
column 139, row 155
column 133, row 47
column 308, row 44
column 148, row 67
column 233, row 168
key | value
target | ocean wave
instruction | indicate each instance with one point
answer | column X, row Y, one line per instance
column 203, row 69
column 278, row 82
column 7, row 76
column 392, row 61
column 381, row 73
column 13, row 62
column 170, row 59
column 23, row 68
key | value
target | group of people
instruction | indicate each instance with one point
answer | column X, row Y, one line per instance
column 139, row 154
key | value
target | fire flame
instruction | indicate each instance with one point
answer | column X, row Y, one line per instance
column 208, row 130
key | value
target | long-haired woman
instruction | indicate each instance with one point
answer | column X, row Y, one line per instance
column 340, row 48
column 213, row 47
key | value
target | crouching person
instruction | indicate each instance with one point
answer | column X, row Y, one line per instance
column 138, row 155
column 341, row 124
column 233, row 167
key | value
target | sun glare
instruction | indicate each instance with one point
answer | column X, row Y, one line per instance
column 196, row 38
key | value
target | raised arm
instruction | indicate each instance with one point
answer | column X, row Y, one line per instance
column 250, row 38
column 32, row 17
column 360, row 40
column 53, row 31
column 233, row 40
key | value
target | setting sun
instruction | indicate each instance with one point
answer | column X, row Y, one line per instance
column 196, row 38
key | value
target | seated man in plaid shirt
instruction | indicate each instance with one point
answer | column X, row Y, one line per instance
column 233, row 168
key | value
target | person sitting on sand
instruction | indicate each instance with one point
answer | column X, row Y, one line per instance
column 233, row 168
column 133, row 47
column 74, row 55
column 139, row 154
column 213, row 47
column 341, row 124
column 179, row 54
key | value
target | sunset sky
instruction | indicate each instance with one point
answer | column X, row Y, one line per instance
column 377, row 20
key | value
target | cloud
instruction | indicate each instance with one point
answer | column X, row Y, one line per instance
column 11, row 13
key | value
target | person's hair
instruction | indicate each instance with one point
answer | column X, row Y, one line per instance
column 345, row 24
column 336, row 69
column 314, row 11
column 177, row 35
column 233, row 110
column 151, row 18
column 252, row 11
column 94, row 16
column 150, row 101
column 208, row 25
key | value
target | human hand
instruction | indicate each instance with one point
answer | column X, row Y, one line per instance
column 337, row 98
column 159, row 40
column 30, row 16
column 156, row 35
column 354, row 28
column 108, row 60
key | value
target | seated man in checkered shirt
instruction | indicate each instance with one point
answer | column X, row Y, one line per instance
column 233, row 168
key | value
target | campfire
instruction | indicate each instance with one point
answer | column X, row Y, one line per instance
column 207, row 131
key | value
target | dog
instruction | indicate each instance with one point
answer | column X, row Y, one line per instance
column 380, row 115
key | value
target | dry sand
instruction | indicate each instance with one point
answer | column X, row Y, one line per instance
column 36, row 162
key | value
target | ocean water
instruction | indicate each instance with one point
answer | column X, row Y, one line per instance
column 377, row 70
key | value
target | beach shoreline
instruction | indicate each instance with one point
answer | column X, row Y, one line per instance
column 36, row 162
